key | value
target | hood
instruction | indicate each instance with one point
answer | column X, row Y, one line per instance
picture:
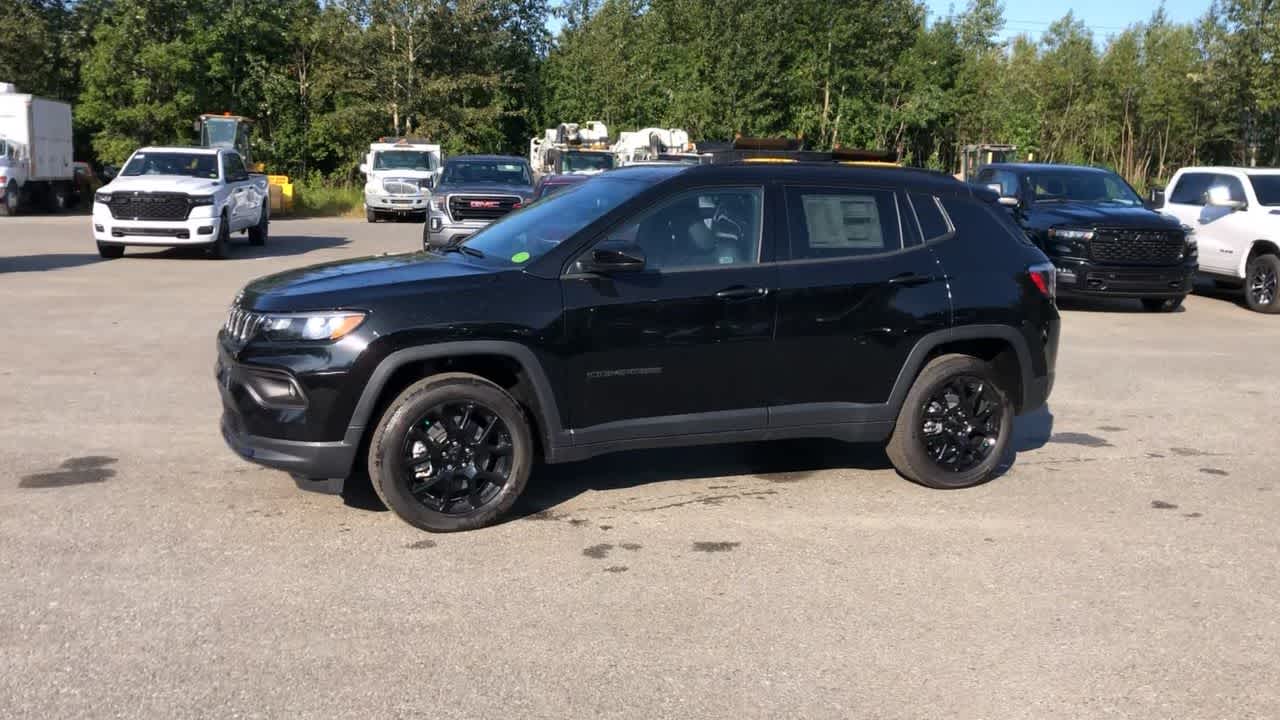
column 346, row 283
column 1088, row 215
column 167, row 183
column 524, row 191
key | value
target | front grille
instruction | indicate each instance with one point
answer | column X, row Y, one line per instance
column 481, row 207
column 401, row 186
column 149, row 206
column 242, row 325
column 1137, row 247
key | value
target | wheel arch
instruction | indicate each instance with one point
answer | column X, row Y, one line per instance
column 512, row 366
column 1001, row 345
column 1261, row 247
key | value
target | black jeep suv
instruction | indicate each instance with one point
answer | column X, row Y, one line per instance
column 1104, row 241
column 652, row 306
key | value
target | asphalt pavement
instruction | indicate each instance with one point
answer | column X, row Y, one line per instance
column 1126, row 564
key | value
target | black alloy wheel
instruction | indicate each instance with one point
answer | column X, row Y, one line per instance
column 457, row 458
column 1261, row 281
column 961, row 423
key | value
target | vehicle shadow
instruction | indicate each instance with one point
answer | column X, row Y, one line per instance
column 277, row 246
column 1234, row 296
column 1109, row 305
column 46, row 261
column 779, row 461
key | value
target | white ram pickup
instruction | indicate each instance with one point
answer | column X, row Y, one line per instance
column 180, row 196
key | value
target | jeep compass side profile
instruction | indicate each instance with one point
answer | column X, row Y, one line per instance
column 652, row 306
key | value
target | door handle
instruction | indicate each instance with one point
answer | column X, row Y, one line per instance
column 738, row 292
column 910, row 280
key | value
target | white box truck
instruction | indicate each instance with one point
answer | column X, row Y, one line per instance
column 35, row 153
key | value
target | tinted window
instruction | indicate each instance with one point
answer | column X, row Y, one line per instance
column 979, row 222
column 232, row 167
column 702, row 228
column 933, row 224
column 502, row 172
column 834, row 223
column 1190, row 189
column 1078, row 185
column 1267, row 188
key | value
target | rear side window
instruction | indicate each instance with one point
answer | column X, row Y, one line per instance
column 978, row 220
column 842, row 222
column 1267, row 188
column 933, row 224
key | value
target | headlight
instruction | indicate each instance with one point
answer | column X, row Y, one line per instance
column 1070, row 234
column 102, row 197
column 311, row 326
column 200, row 199
column 437, row 202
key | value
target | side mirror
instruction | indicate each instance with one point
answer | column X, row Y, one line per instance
column 615, row 260
column 364, row 168
column 1005, row 200
column 1220, row 196
column 109, row 172
column 195, row 125
column 429, row 181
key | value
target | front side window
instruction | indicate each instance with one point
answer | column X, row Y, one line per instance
column 836, row 223
column 1006, row 179
column 1267, row 188
column 202, row 165
column 706, row 228
column 1235, row 188
column 232, row 167
column 1055, row 185
column 501, row 172
column 1191, row 188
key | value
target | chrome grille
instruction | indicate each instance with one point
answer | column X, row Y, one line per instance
column 402, row 186
column 242, row 325
column 481, row 207
column 1138, row 247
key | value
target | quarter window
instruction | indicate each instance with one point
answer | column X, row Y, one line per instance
column 713, row 227
column 845, row 222
column 933, row 224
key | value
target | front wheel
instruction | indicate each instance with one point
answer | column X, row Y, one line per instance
column 9, row 201
column 110, row 252
column 218, row 248
column 954, row 426
column 370, row 215
column 1161, row 304
column 1260, row 285
column 258, row 233
column 453, row 452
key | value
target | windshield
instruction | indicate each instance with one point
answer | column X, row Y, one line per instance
column 1267, row 188
column 404, row 160
column 173, row 163
column 220, row 133
column 1086, row 186
column 503, row 172
column 581, row 161
column 528, row 234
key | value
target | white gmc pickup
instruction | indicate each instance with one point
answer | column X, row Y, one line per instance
column 170, row 196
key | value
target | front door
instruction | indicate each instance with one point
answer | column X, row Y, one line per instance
column 686, row 338
column 1220, row 232
column 856, row 293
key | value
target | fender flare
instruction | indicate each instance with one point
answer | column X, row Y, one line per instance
column 547, row 410
column 916, row 359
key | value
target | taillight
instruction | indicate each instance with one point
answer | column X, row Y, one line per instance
column 1045, row 277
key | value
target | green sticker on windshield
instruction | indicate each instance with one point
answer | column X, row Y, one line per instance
column 520, row 257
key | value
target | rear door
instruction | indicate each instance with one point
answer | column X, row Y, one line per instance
column 686, row 338
column 857, row 290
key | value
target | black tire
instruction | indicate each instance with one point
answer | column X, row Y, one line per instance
column 218, row 248
column 63, row 197
column 258, row 233
column 1162, row 304
column 9, row 200
column 110, row 252
column 370, row 215
column 1261, row 280
column 909, row 448
column 388, row 453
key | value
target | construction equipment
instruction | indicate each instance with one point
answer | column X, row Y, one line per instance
column 653, row 145
column 975, row 157
column 572, row 148
column 233, row 132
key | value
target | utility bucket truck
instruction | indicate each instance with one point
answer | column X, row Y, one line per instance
column 572, row 148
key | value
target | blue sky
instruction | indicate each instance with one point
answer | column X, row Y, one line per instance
column 1104, row 17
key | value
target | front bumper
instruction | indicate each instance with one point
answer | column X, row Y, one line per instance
column 398, row 204
column 244, row 408
column 200, row 228
column 1082, row 278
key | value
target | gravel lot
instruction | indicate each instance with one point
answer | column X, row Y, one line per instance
column 1127, row 565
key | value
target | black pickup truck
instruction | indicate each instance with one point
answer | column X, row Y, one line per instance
column 1100, row 235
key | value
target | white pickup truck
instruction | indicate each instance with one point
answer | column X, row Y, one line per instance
column 180, row 196
column 1235, row 213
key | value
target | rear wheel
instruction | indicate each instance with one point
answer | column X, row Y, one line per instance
column 9, row 201
column 1161, row 304
column 63, row 196
column 110, row 252
column 258, row 233
column 954, row 426
column 453, row 452
column 1260, row 284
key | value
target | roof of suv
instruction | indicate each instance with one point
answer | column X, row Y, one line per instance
column 1046, row 166
column 805, row 172
column 1229, row 169
column 193, row 149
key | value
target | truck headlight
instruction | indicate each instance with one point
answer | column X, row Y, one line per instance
column 196, row 200
column 102, row 197
column 1070, row 234
column 311, row 326
column 437, row 203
